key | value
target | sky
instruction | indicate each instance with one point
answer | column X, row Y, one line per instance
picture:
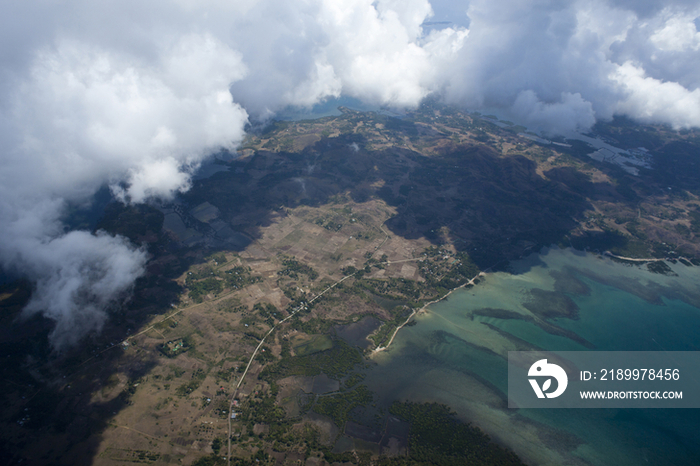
column 135, row 95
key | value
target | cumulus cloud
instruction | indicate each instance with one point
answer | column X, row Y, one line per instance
column 550, row 50
column 90, row 115
column 83, row 116
column 78, row 277
column 650, row 99
column 302, row 52
column 136, row 94
column 570, row 112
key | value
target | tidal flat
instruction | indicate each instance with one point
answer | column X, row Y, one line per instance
column 558, row 299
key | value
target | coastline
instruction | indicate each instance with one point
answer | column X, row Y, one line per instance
column 423, row 308
column 605, row 254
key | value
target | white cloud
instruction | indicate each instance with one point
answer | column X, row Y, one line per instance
column 677, row 34
column 78, row 277
column 652, row 100
column 135, row 94
column 571, row 113
column 304, row 52
column 88, row 116
column 517, row 50
column 84, row 116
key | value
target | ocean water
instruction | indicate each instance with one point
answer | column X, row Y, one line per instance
column 457, row 355
column 328, row 107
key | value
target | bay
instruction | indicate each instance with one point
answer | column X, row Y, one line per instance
column 559, row 299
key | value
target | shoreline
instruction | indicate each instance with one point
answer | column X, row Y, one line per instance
column 423, row 308
column 415, row 312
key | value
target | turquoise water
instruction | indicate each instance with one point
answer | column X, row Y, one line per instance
column 615, row 320
column 456, row 355
column 328, row 107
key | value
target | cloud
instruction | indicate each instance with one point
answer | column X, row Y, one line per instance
column 94, row 116
column 570, row 113
column 136, row 94
column 300, row 53
column 652, row 100
column 84, row 116
column 538, row 52
column 78, row 277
